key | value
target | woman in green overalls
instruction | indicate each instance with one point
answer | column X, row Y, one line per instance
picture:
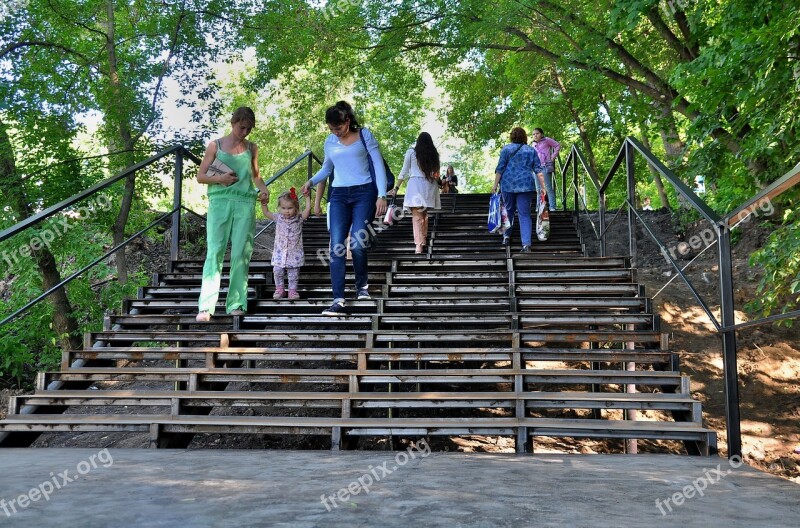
column 231, row 214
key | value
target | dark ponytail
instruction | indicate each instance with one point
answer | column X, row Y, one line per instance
column 339, row 113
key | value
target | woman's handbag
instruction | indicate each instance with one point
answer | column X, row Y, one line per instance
column 542, row 218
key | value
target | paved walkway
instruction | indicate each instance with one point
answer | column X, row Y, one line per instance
column 126, row 488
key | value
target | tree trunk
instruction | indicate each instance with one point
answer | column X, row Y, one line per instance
column 587, row 145
column 615, row 130
column 662, row 195
column 64, row 322
column 673, row 144
column 119, row 124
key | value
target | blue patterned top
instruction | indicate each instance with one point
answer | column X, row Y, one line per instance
column 518, row 167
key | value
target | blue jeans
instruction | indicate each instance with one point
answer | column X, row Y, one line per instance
column 521, row 204
column 547, row 170
column 351, row 210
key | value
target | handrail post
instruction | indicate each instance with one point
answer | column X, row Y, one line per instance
column 630, row 168
column 310, row 166
column 729, row 361
column 177, row 199
column 601, row 210
column 564, row 190
column 574, row 158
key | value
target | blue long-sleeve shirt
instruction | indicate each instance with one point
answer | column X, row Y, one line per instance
column 349, row 163
column 518, row 167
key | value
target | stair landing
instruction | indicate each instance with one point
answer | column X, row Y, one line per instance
column 287, row 488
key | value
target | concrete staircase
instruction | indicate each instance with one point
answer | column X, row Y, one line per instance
column 471, row 338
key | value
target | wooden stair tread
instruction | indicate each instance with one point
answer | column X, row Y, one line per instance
column 555, row 423
column 278, row 395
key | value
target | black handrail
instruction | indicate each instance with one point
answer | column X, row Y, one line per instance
column 723, row 224
column 697, row 203
column 576, row 154
column 86, row 268
column 307, row 154
column 52, row 210
column 784, row 183
column 311, row 159
column 179, row 150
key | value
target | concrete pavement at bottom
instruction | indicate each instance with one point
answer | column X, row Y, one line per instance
column 218, row 488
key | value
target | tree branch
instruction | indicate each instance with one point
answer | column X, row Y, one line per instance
column 683, row 24
column 28, row 176
column 40, row 43
column 654, row 16
column 164, row 70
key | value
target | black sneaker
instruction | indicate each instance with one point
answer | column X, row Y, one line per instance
column 363, row 294
column 526, row 249
column 335, row 309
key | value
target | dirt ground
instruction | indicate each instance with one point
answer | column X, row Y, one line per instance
column 768, row 355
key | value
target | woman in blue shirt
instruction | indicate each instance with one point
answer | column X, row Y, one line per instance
column 355, row 198
column 514, row 174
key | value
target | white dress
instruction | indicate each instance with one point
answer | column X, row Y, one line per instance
column 421, row 192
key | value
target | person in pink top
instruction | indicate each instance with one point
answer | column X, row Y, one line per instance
column 547, row 149
column 287, row 254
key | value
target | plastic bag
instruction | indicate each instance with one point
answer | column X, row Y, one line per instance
column 542, row 218
column 498, row 221
column 495, row 220
column 388, row 219
column 506, row 220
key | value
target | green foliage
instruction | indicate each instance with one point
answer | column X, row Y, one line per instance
column 714, row 97
column 779, row 288
column 30, row 342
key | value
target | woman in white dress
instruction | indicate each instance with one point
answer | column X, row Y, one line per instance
column 421, row 168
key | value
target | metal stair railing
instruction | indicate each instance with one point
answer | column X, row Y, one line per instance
column 723, row 225
column 180, row 152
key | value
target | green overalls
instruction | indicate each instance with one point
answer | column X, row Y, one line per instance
column 231, row 215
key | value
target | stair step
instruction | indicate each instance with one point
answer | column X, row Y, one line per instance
column 213, row 355
column 555, row 427
column 541, row 290
column 361, row 400
column 195, row 376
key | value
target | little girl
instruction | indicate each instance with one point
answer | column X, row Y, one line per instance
column 288, row 250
